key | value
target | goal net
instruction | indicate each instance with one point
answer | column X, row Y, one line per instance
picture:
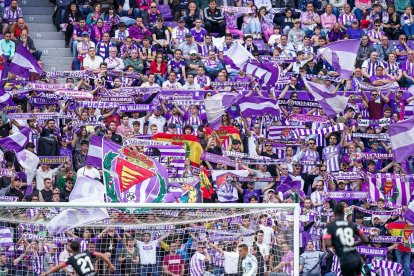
column 151, row 239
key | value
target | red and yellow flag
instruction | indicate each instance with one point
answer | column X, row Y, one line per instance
column 226, row 134
column 191, row 144
column 401, row 229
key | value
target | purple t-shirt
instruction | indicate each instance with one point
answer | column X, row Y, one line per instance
column 176, row 66
column 375, row 78
column 248, row 193
column 198, row 36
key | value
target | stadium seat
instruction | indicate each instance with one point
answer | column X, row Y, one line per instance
column 170, row 24
column 166, row 12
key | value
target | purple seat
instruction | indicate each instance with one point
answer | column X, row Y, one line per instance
column 215, row 34
column 170, row 24
column 165, row 12
column 261, row 46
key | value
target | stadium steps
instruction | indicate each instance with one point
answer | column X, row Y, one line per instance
column 38, row 15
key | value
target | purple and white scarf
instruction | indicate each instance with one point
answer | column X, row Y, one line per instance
column 134, row 107
column 37, row 86
column 102, row 104
column 379, row 136
column 117, row 99
column 307, row 118
column 347, row 195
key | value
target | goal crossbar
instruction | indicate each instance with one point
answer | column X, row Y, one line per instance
column 176, row 206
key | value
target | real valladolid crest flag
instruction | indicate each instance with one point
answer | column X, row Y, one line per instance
column 131, row 176
column 394, row 189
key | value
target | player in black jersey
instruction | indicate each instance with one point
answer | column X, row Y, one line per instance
column 82, row 263
column 341, row 235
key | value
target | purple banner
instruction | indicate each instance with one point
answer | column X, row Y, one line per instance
column 370, row 156
column 218, row 159
column 387, row 239
column 346, row 175
column 115, row 73
column 72, row 94
column 372, row 251
column 182, row 94
column 307, row 118
column 51, row 160
column 36, row 86
column 379, row 136
column 347, row 195
column 299, row 103
column 134, row 107
column 38, row 116
column 9, row 198
column 5, row 172
column 42, row 101
column 131, row 91
column 117, row 99
column 68, row 74
column 395, row 212
column 102, row 104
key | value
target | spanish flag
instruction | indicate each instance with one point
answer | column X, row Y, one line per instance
column 192, row 146
column 401, row 229
column 205, row 185
column 226, row 134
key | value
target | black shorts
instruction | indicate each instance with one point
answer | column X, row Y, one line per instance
column 351, row 266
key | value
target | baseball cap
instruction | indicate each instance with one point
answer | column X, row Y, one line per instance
column 355, row 21
column 188, row 35
column 85, row 33
column 180, row 20
column 235, row 141
column 172, row 125
column 296, row 21
column 53, row 246
column 193, row 52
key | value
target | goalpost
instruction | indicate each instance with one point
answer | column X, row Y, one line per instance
column 148, row 238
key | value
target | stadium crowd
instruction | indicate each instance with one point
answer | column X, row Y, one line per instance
column 298, row 153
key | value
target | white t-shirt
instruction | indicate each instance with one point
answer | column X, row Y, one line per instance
column 63, row 257
column 231, row 261
column 264, row 249
column 92, row 64
column 268, row 233
column 252, row 143
column 148, row 252
column 90, row 172
column 141, row 123
column 158, row 121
